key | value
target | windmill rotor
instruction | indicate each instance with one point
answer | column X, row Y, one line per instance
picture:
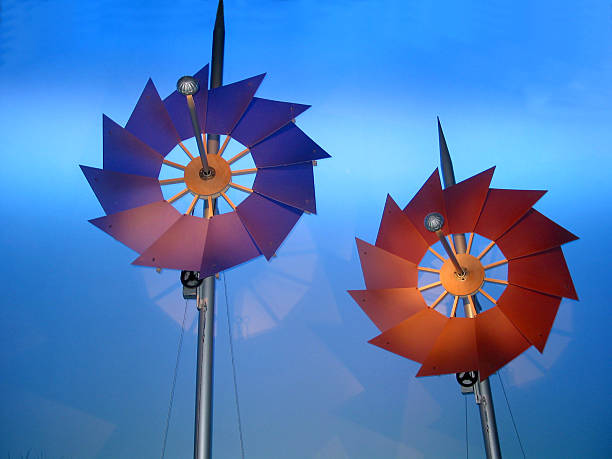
column 483, row 342
column 129, row 187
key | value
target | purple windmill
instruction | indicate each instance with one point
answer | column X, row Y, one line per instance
column 129, row 189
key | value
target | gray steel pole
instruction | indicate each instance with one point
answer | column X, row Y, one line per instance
column 206, row 291
column 482, row 389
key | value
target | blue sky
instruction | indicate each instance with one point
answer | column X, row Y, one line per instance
column 88, row 342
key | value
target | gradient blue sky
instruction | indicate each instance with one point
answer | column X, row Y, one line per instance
column 88, row 342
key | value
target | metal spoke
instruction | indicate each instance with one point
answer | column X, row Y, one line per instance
column 469, row 246
column 454, row 310
column 486, row 249
column 238, row 156
column 437, row 254
column 487, row 296
column 186, row 151
column 244, row 171
column 240, row 187
column 229, row 201
column 192, row 205
column 172, row 180
column 173, row 164
column 496, row 281
column 497, row 263
column 440, row 298
column 429, row 270
column 178, row 195
column 222, row 149
column 428, row 286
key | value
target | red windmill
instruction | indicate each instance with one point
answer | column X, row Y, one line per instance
column 481, row 340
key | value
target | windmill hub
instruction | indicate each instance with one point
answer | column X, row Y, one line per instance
column 208, row 184
column 466, row 283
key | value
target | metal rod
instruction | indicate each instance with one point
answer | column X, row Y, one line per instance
column 204, row 378
column 197, row 132
column 450, row 253
column 482, row 389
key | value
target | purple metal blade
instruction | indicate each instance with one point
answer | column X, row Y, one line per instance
column 268, row 222
column 228, row 244
column 139, row 227
column 288, row 145
column 181, row 247
column 264, row 117
column 151, row 123
column 226, row 104
column 117, row 191
column 292, row 185
column 124, row 152
column 176, row 104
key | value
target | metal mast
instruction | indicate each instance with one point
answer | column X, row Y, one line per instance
column 206, row 291
column 482, row 389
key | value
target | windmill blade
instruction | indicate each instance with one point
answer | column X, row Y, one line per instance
column 151, row 123
column 388, row 307
column 176, row 105
column 464, row 201
column 532, row 313
column 498, row 341
column 267, row 221
column 545, row 272
column 117, row 191
column 139, row 227
column 292, row 185
column 264, row 117
column 455, row 350
column 398, row 235
column 180, row 247
column 226, row 104
column 124, row 152
column 414, row 337
column 382, row 269
column 532, row 234
column 288, row 145
column 503, row 208
column 428, row 199
column 228, row 244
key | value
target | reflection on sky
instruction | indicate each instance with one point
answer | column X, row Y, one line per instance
column 88, row 341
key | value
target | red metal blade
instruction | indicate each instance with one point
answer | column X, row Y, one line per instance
column 498, row 340
column 398, row 235
column 464, row 201
column 151, row 123
column 180, row 247
column 388, row 307
column 139, row 227
column 455, row 350
column 414, row 337
column 428, row 199
column 532, row 234
column 532, row 313
column 544, row 272
column 503, row 208
column 382, row 269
